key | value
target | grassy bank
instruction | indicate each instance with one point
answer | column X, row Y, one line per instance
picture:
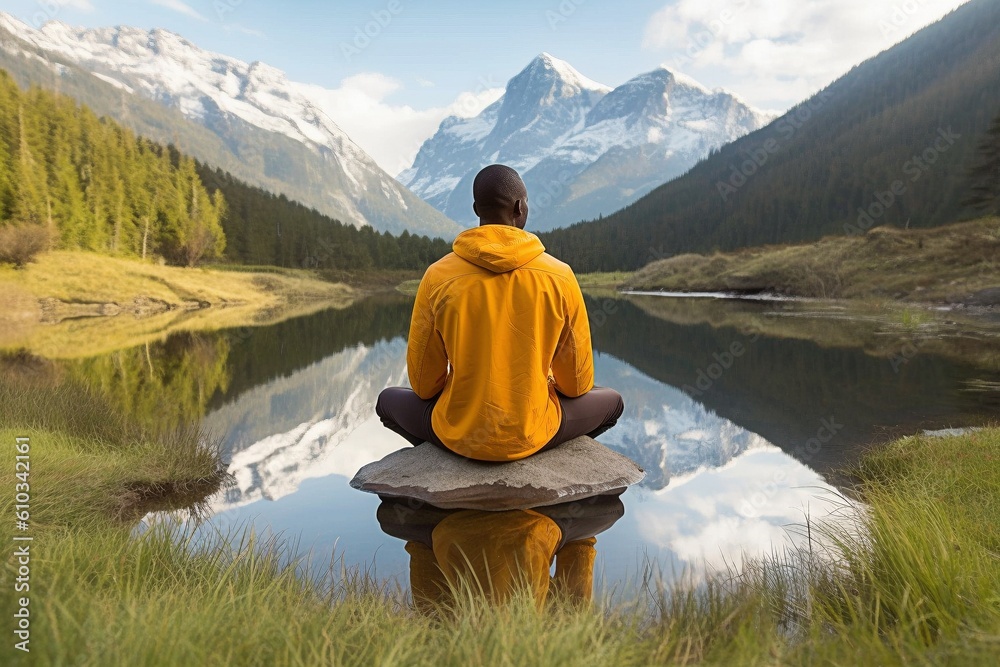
column 84, row 304
column 950, row 264
column 924, row 589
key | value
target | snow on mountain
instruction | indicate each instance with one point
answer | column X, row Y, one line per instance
column 665, row 431
column 307, row 425
column 583, row 148
column 228, row 96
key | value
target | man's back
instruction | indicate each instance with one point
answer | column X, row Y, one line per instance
column 502, row 313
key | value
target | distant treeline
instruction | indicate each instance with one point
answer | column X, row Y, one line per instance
column 891, row 142
column 263, row 228
column 87, row 183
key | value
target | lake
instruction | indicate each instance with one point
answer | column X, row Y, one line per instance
column 743, row 414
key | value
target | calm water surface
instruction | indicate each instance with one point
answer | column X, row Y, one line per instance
column 741, row 414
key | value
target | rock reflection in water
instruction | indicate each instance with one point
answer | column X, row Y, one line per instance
column 499, row 554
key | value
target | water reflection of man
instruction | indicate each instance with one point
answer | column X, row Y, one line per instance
column 499, row 354
column 499, row 554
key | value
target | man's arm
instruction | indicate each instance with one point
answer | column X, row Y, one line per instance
column 573, row 365
column 426, row 358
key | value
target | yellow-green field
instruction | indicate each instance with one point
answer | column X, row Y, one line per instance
column 76, row 304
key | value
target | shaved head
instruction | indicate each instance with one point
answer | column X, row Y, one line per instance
column 500, row 196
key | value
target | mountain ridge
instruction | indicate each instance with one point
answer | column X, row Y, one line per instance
column 284, row 139
column 582, row 147
column 828, row 162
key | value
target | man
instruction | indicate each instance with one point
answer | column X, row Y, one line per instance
column 499, row 355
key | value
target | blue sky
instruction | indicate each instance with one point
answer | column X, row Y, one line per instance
column 425, row 59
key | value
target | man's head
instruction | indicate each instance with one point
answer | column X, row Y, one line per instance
column 500, row 197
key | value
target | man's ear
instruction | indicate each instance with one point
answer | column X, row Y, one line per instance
column 475, row 209
column 518, row 208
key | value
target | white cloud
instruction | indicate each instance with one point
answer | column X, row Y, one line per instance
column 778, row 52
column 391, row 133
column 180, row 8
column 753, row 506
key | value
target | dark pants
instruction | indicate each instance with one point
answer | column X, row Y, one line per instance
column 405, row 413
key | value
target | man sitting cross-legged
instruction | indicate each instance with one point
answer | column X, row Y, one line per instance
column 499, row 354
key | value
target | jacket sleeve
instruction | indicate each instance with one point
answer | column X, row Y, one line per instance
column 573, row 364
column 426, row 358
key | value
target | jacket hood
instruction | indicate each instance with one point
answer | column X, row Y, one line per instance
column 498, row 248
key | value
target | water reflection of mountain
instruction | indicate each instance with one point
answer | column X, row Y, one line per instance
column 299, row 391
column 295, row 427
column 786, row 389
column 309, row 423
column 666, row 431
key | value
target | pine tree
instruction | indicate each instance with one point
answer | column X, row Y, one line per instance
column 29, row 171
column 197, row 232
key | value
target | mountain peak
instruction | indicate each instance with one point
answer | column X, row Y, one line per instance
column 588, row 148
column 681, row 79
column 548, row 67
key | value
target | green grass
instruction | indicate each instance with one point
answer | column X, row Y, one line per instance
column 943, row 264
column 922, row 588
column 608, row 279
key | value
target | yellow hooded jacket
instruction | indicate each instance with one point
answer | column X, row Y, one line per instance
column 492, row 320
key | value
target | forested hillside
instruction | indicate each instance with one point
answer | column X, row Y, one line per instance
column 77, row 181
column 92, row 185
column 890, row 142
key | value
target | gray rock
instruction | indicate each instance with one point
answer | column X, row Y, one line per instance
column 580, row 468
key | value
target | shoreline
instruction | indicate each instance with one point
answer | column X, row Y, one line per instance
column 952, row 266
column 75, row 304
column 773, row 297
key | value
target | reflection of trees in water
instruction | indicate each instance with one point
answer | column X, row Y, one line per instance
column 20, row 368
column 173, row 383
column 151, row 398
column 783, row 389
column 260, row 355
column 163, row 385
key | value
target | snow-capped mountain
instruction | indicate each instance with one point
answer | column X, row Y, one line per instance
column 260, row 116
column 583, row 149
